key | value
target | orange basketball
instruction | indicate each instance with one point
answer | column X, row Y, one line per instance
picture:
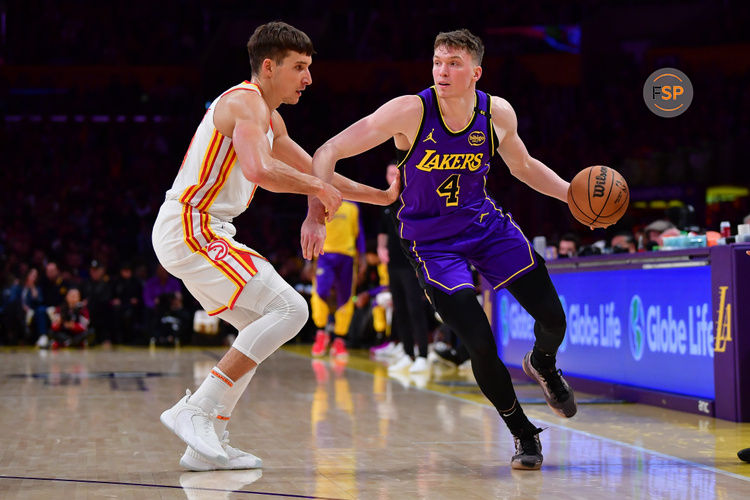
column 598, row 196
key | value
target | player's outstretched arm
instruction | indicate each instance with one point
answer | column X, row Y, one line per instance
column 399, row 116
column 244, row 117
column 288, row 151
column 513, row 151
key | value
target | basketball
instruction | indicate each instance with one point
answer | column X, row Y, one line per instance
column 598, row 196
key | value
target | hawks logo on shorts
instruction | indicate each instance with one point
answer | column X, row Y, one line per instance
column 217, row 249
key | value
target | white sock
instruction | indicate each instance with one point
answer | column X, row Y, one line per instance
column 212, row 391
column 230, row 401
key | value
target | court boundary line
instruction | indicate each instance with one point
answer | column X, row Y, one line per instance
column 558, row 426
column 168, row 486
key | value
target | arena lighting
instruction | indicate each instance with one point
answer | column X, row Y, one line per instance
column 717, row 194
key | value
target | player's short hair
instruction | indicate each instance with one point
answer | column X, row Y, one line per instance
column 462, row 39
column 273, row 41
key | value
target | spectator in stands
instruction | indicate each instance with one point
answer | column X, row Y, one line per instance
column 623, row 242
column 34, row 309
column 12, row 325
column 70, row 323
column 154, row 289
column 53, row 286
column 655, row 231
column 173, row 323
column 97, row 293
column 568, row 245
column 127, row 293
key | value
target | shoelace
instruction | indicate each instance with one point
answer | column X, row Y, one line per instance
column 210, row 416
column 527, row 446
column 225, row 441
column 555, row 383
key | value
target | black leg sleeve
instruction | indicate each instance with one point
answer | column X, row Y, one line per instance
column 465, row 316
column 536, row 293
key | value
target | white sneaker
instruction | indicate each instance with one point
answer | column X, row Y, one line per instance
column 195, row 426
column 216, row 485
column 384, row 352
column 238, row 459
column 402, row 378
column 43, row 341
column 402, row 364
column 397, row 351
column 419, row 379
column 420, row 365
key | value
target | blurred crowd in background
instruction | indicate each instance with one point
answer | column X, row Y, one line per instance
column 98, row 102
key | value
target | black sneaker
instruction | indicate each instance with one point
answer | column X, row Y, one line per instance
column 557, row 392
column 528, row 452
column 452, row 356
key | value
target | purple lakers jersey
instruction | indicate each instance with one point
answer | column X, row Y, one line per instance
column 444, row 173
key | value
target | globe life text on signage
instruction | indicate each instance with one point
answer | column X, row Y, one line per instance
column 667, row 333
column 600, row 325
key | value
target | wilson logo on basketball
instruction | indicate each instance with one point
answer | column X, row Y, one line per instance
column 217, row 249
column 601, row 180
column 476, row 138
column 598, row 196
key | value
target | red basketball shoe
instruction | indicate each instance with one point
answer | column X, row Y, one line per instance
column 321, row 343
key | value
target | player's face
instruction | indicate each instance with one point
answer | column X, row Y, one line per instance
column 292, row 76
column 454, row 71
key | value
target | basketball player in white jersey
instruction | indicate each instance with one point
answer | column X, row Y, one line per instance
column 240, row 144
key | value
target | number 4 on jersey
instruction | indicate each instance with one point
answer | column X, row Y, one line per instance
column 449, row 189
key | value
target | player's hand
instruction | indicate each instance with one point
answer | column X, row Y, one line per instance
column 313, row 235
column 331, row 199
column 393, row 191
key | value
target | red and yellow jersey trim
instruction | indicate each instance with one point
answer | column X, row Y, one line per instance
column 221, row 180
column 232, row 261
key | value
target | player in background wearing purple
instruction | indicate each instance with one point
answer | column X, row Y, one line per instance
column 335, row 272
column 446, row 135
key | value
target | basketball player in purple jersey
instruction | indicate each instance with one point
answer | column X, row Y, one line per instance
column 447, row 222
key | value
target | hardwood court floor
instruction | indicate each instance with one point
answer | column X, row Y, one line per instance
column 85, row 425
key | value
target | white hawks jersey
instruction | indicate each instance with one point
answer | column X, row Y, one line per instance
column 208, row 180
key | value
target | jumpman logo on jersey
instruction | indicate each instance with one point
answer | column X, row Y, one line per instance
column 429, row 137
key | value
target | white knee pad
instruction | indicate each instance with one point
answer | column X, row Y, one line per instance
column 292, row 307
column 281, row 319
